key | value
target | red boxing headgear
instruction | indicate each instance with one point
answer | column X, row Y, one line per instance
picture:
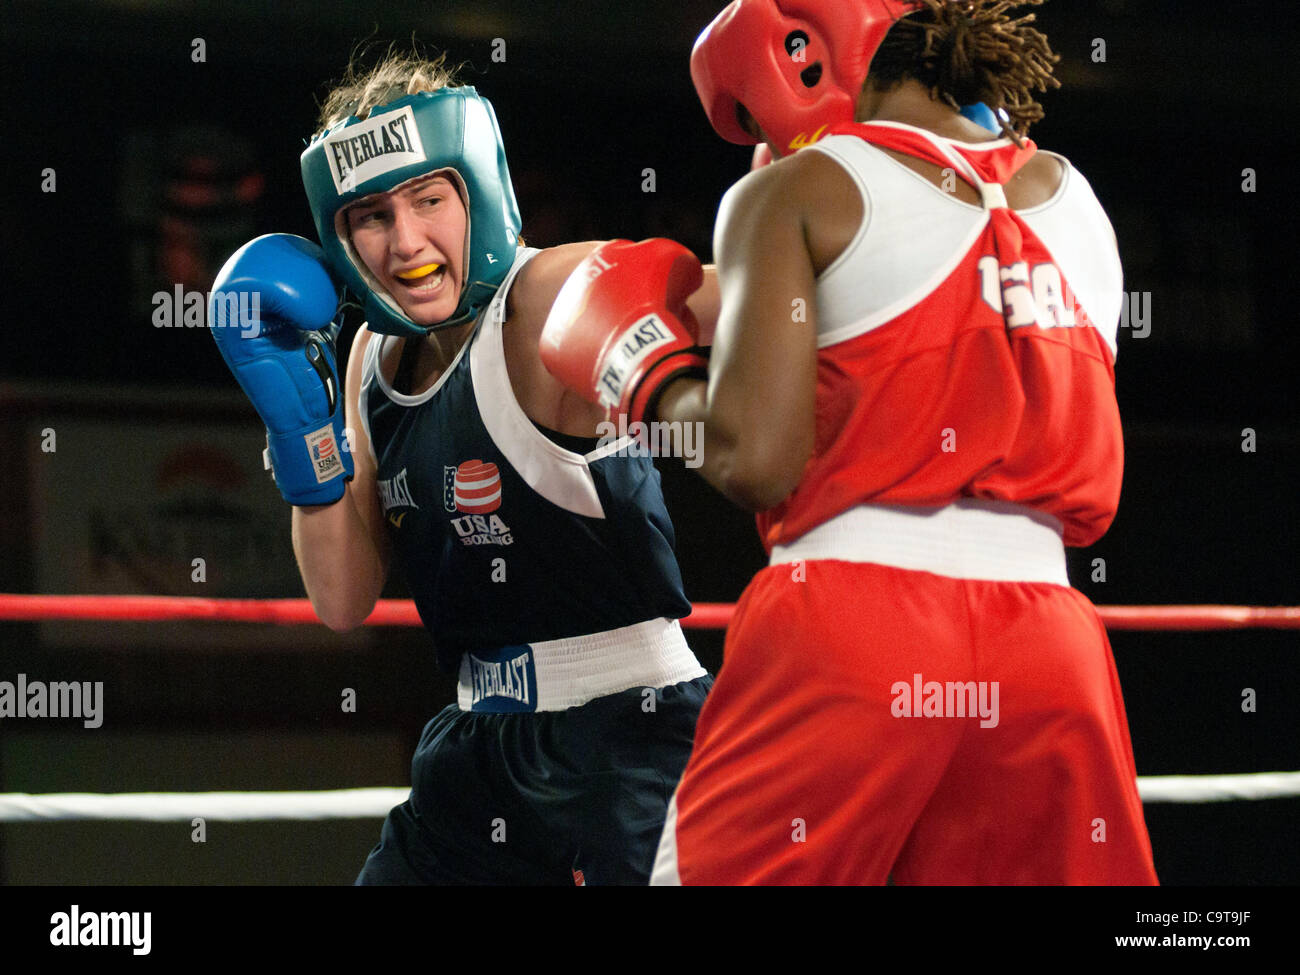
column 796, row 65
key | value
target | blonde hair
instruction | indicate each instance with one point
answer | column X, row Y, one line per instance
column 363, row 90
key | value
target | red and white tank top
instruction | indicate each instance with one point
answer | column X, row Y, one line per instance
column 964, row 351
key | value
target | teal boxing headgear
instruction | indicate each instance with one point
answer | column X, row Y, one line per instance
column 415, row 135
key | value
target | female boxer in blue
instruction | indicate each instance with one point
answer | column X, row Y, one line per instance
column 540, row 557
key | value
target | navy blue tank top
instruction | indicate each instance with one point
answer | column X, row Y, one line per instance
column 504, row 535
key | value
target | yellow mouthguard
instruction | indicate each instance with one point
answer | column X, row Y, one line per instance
column 419, row 272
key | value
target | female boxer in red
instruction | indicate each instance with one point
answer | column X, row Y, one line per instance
column 912, row 383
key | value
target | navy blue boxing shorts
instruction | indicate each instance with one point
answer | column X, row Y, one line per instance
column 539, row 798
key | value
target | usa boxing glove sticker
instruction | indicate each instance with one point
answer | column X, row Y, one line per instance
column 323, row 450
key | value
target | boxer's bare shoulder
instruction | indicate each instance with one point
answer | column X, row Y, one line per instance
column 541, row 396
column 538, row 283
column 808, row 192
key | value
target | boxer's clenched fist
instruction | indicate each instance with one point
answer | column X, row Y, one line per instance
column 285, row 361
column 620, row 329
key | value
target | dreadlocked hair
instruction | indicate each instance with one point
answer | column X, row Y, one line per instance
column 968, row 51
column 364, row 89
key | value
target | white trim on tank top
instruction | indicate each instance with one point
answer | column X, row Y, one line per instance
column 1071, row 224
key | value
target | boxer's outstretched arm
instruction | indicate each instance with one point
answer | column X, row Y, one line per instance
column 343, row 549
column 757, row 409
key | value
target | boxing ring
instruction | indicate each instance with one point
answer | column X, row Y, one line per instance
column 376, row 802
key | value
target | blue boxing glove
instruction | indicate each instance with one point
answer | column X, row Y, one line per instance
column 283, row 356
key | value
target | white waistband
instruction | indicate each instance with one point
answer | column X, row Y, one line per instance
column 969, row 539
column 554, row 675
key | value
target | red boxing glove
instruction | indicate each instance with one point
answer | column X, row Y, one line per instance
column 620, row 330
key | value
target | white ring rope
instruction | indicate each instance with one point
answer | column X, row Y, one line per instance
column 160, row 807
column 375, row 803
column 1218, row 788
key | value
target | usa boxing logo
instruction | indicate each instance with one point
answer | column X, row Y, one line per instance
column 325, row 460
column 476, row 491
column 477, row 487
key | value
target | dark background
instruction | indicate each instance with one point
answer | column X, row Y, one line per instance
column 158, row 155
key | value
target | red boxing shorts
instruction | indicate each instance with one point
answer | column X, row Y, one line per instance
column 872, row 721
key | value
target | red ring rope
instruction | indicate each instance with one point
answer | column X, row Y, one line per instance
column 401, row 612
